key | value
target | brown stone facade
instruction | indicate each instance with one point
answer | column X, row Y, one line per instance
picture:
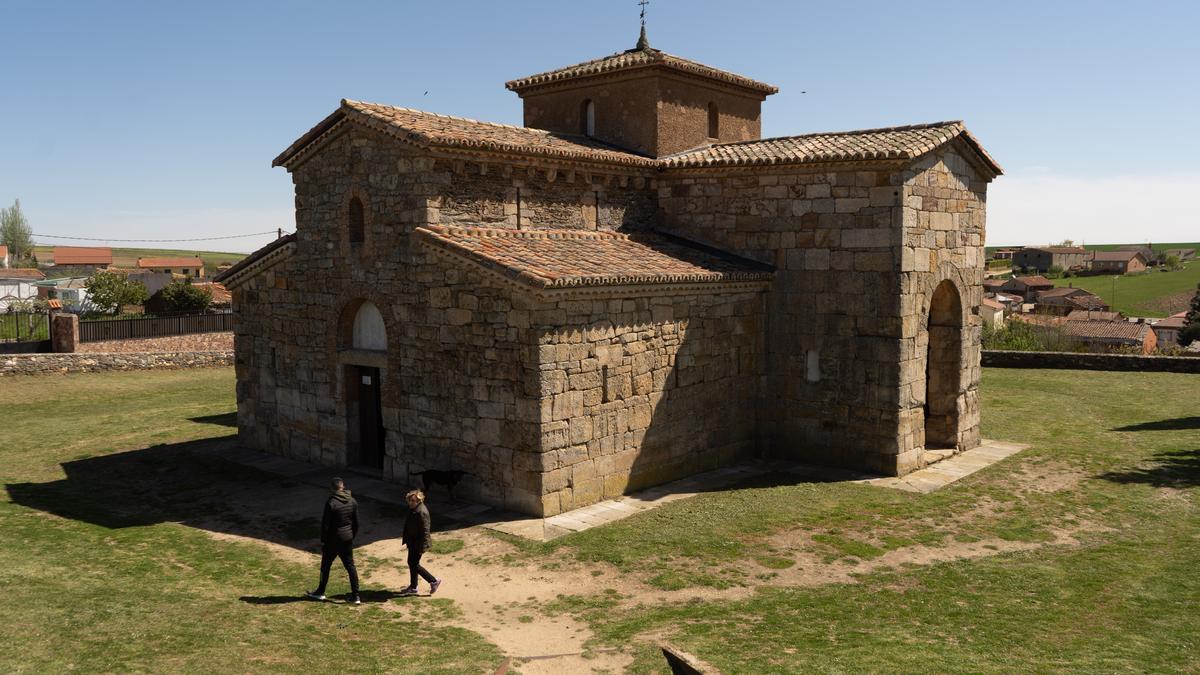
column 565, row 321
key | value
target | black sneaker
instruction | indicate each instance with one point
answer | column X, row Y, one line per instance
column 354, row 600
column 434, row 586
column 313, row 595
column 408, row 591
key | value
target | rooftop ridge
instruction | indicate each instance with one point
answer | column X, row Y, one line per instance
column 851, row 132
column 352, row 103
column 635, row 58
column 541, row 233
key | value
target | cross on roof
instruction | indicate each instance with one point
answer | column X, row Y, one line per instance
column 643, row 4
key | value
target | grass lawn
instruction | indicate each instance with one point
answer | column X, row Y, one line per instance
column 1078, row 554
column 102, row 576
column 1150, row 294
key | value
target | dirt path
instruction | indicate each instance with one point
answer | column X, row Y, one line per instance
column 504, row 597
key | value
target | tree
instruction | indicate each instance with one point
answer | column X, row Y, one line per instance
column 15, row 232
column 1171, row 262
column 180, row 296
column 1191, row 322
column 109, row 291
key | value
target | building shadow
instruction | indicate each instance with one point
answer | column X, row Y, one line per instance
column 1175, row 424
column 191, row 484
column 1172, row 468
column 224, row 419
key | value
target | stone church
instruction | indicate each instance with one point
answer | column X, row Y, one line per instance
column 632, row 287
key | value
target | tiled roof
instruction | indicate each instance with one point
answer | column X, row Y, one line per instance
column 1174, row 322
column 430, row 130
column 82, row 255
column 1060, row 292
column 544, row 259
column 1033, row 280
column 1115, row 256
column 248, row 267
column 906, row 142
column 635, row 59
column 989, row 302
column 147, row 263
column 427, row 130
column 1109, row 330
column 1087, row 301
column 1093, row 315
column 21, row 273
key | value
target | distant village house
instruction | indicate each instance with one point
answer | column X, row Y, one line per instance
column 1042, row 259
column 188, row 267
column 1118, row 262
column 82, row 256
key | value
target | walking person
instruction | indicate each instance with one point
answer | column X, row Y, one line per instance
column 339, row 525
column 416, row 538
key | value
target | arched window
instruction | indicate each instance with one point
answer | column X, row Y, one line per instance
column 587, row 118
column 714, row 121
column 369, row 331
column 355, row 223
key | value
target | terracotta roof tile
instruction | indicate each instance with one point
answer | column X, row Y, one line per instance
column 21, row 273
column 431, row 130
column 1115, row 256
column 635, row 59
column 545, row 259
column 907, row 142
column 82, row 255
column 146, row 263
column 231, row 277
column 425, row 129
column 1032, row 280
column 1174, row 322
column 994, row 304
column 1110, row 330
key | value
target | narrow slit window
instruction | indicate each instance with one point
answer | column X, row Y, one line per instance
column 714, row 121
column 356, row 221
column 587, row 118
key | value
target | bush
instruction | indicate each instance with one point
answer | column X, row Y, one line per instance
column 1027, row 337
column 180, row 297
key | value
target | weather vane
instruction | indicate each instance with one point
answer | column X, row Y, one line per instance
column 643, row 4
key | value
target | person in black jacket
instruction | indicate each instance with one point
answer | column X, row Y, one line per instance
column 416, row 538
column 339, row 525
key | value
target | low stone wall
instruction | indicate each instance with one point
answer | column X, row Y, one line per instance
column 44, row 364
column 1077, row 361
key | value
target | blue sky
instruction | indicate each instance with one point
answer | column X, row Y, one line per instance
column 158, row 120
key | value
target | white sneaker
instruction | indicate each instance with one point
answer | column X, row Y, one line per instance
column 313, row 595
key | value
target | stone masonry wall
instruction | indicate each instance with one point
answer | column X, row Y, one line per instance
column 640, row 391
column 833, row 313
column 57, row 364
column 473, row 193
column 944, row 203
column 451, row 378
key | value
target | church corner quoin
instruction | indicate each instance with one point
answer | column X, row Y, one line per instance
column 632, row 288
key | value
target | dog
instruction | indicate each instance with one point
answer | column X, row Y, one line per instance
column 449, row 478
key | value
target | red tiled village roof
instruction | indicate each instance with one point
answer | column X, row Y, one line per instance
column 149, row 263
column 82, row 255
column 21, row 273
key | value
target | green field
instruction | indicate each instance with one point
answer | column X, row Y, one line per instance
column 1152, row 294
column 1113, row 247
column 130, row 548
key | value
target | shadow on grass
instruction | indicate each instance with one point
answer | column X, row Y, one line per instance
column 366, row 596
column 224, row 420
column 1173, row 468
column 1176, row 424
column 189, row 483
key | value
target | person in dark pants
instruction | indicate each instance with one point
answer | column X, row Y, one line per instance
column 416, row 538
column 339, row 525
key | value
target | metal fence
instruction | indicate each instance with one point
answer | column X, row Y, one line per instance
column 24, row 327
column 153, row 326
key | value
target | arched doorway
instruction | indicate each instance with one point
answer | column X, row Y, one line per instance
column 943, row 367
column 363, row 345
